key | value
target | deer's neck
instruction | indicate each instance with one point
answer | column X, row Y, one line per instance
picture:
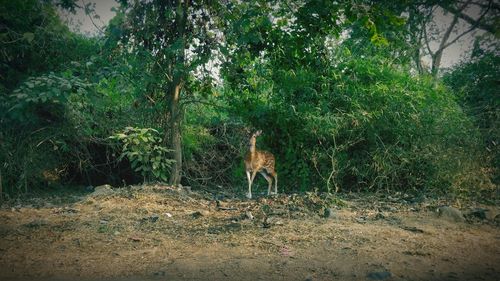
column 252, row 149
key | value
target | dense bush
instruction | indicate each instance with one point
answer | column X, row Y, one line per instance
column 55, row 128
column 476, row 86
column 359, row 123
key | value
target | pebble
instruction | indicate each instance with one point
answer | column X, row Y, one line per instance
column 450, row 214
column 379, row 275
column 197, row 215
column 102, row 190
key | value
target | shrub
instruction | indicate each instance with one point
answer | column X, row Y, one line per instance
column 475, row 84
column 360, row 124
column 142, row 147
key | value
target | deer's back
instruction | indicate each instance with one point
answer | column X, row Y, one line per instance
column 259, row 160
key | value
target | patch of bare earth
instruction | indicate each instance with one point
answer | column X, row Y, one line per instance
column 159, row 233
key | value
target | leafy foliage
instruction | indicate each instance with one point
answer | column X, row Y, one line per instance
column 475, row 84
column 328, row 82
column 34, row 40
column 358, row 123
column 142, row 147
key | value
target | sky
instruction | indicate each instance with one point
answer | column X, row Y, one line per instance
column 81, row 22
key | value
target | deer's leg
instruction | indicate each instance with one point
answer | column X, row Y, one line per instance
column 275, row 183
column 269, row 181
column 275, row 178
column 250, row 180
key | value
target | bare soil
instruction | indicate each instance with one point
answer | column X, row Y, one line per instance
column 163, row 233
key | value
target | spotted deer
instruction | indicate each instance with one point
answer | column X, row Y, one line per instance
column 262, row 162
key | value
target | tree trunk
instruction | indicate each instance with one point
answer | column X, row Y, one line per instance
column 1, row 188
column 175, row 135
column 418, row 61
column 438, row 55
column 436, row 63
column 178, row 80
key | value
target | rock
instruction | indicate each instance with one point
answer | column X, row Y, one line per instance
column 169, row 215
column 37, row 223
column 248, row 215
column 492, row 215
column 482, row 213
column 197, row 215
column 184, row 190
column 279, row 222
column 450, row 214
column 380, row 216
column 412, row 229
column 159, row 273
column 265, row 223
column 102, row 190
column 379, row 275
column 233, row 226
column 328, row 213
column 360, row 219
column 389, row 208
column 479, row 213
column 152, row 218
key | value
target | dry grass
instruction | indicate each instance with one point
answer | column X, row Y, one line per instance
column 157, row 231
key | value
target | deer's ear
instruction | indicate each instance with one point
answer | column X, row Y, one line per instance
column 258, row 133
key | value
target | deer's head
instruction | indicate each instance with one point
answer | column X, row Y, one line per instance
column 253, row 138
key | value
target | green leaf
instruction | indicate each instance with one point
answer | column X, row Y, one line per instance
column 28, row 36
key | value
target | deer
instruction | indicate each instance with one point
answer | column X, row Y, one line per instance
column 260, row 161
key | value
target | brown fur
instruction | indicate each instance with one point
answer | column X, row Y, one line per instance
column 259, row 161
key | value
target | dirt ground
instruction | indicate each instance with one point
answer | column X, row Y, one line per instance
column 163, row 233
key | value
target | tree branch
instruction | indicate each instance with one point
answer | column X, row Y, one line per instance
column 88, row 13
column 482, row 25
column 474, row 26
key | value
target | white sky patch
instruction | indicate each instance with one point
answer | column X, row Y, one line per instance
column 82, row 23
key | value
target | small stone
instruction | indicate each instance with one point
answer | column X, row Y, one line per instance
column 492, row 215
column 168, row 215
column 412, row 229
column 197, row 215
column 379, row 275
column 328, row 212
column 248, row 215
column 450, row 214
column 102, row 190
column 184, row 190
column 37, row 223
column 153, row 218
column 380, row 216
column 279, row 222
column 478, row 213
column 160, row 273
column 361, row 219
column 392, row 209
